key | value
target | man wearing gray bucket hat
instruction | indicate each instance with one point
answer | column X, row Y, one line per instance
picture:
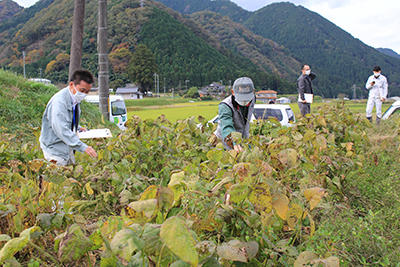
column 235, row 112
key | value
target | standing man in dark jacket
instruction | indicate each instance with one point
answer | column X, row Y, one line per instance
column 304, row 86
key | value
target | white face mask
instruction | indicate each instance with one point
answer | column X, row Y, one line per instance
column 376, row 74
column 79, row 96
column 308, row 72
column 243, row 103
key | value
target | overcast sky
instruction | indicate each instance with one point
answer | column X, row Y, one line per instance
column 376, row 23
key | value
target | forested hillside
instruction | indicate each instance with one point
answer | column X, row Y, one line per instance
column 339, row 59
column 184, row 51
column 266, row 54
column 10, row 26
column 8, row 8
column 225, row 7
column 389, row 52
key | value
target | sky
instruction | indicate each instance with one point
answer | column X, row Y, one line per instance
column 375, row 23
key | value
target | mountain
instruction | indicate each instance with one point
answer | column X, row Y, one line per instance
column 389, row 52
column 339, row 59
column 10, row 26
column 8, row 8
column 266, row 54
column 183, row 49
column 225, row 7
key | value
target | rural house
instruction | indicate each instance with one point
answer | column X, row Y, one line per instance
column 267, row 96
column 129, row 92
column 213, row 90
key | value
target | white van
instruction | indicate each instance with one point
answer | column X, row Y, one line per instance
column 40, row 80
column 283, row 113
column 116, row 108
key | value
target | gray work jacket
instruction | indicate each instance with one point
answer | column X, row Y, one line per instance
column 57, row 136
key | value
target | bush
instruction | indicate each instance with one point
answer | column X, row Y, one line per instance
column 193, row 92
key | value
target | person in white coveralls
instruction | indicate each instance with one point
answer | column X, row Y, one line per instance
column 377, row 86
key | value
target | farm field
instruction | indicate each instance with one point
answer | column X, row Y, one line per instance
column 209, row 109
column 159, row 194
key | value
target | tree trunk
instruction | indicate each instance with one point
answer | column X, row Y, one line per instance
column 77, row 37
column 103, row 59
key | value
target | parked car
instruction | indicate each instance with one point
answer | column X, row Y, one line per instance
column 395, row 107
column 116, row 109
column 283, row 113
column 40, row 80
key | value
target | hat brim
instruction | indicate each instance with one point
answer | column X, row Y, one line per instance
column 244, row 97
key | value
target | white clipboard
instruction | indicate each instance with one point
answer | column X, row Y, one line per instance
column 95, row 133
column 308, row 97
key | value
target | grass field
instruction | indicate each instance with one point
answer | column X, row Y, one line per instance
column 178, row 109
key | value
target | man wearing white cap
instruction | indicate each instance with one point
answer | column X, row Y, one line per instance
column 235, row 112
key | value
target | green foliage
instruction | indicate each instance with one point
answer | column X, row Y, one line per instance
column 160, row 193
column 193, row 92
column 142, row 67
column 228, row 8
column 22, row 116
column 8, row 9
column 24, row 15
column 264, row 53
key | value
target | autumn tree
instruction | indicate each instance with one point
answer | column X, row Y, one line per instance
column 142, row 68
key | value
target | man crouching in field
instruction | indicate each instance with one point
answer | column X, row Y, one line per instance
column 60, row 123
column 235, row 112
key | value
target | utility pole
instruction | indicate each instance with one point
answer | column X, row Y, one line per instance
column 157, row 84
column 103, row 59
column 164, row 87
column 77, row 37
column 354, row 91
column 23, row 59
column 186, row 82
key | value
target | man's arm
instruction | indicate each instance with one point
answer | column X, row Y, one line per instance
column 312, row 76
column 62, row 127
column 368, row 85
column 225, row 120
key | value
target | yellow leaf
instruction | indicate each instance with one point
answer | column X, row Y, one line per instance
column 288, row 157
column 260, row 197
column 143, row 210
column 281, row 205
column 149, row 193
column 314, row 196
column 294, row 213
column 177, row 178
column 180, row 240
column 89, row 189
column 305, row 258
column 321, row 142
